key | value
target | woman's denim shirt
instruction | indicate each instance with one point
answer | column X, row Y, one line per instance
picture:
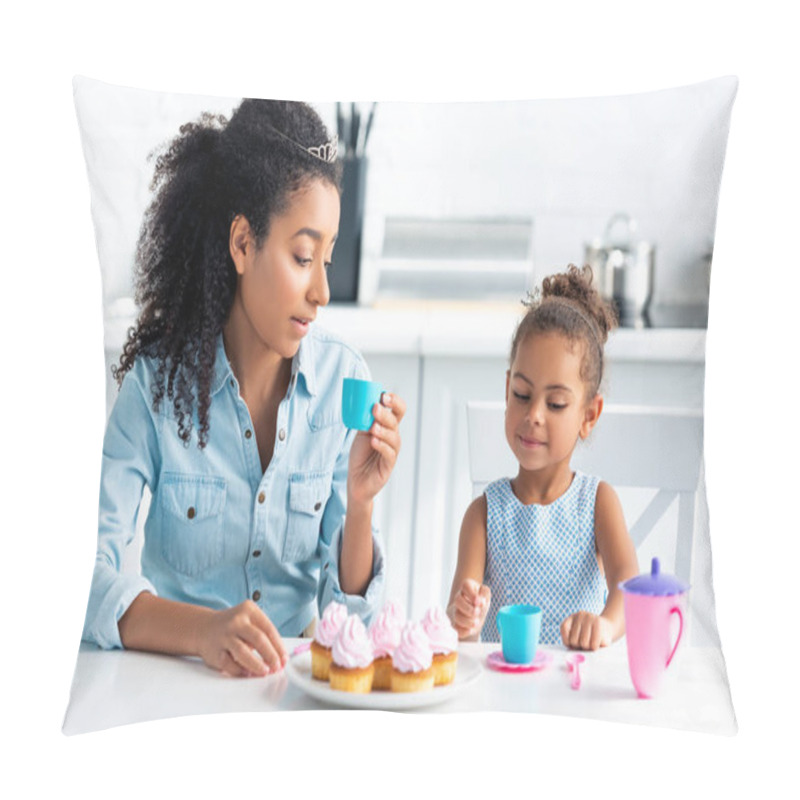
column 219, row 531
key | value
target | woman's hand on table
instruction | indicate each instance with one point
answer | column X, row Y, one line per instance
column 469, row 608
column 586, row 631
column 374, row 452
column 241, row 641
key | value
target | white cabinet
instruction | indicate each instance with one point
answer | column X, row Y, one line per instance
column 437, row 358
column 399, row 373
column 443, row 488
column 441, row 358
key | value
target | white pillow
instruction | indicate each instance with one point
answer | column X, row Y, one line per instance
column 567, row 164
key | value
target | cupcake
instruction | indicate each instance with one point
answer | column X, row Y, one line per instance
column 333, row 618
column 444, row 645
column 351, row 658
column 384, row 633
column 412, row 660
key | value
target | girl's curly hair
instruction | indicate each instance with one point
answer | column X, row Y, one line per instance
column 569, row 304
column 213, row 171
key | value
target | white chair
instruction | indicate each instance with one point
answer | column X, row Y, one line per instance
column 631, row 446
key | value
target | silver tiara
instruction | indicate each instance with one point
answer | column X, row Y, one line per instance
column 325, row 152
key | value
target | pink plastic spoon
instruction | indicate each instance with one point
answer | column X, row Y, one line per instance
column 301, row 648
column 574, row 660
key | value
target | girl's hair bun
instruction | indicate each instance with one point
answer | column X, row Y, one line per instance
column 576, row 284
column 569, row 304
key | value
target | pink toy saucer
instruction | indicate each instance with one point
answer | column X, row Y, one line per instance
column 496, row 661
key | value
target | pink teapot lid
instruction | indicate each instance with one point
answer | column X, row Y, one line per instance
column 654, row 583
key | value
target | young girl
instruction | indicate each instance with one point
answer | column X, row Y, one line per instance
column 550, row 536
column 229, row 407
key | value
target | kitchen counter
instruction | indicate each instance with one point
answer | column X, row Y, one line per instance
column 439, row 328
column 457, row 328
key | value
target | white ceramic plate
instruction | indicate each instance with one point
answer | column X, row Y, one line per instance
column 298, row 670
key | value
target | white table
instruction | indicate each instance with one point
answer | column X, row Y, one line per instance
column 116, row 687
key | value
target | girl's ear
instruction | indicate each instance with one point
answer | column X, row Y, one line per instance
column 241, row 242
column 591, row 414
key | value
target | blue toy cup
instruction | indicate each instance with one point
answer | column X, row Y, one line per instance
column 358, row 398
column 519, row 626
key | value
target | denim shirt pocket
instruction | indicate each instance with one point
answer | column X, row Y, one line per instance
column 193, row 507
column 308, row 495
column 325, row 414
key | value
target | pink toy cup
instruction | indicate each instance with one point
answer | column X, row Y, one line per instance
column 651, row 602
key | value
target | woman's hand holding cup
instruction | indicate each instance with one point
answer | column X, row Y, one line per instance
column 375, row 450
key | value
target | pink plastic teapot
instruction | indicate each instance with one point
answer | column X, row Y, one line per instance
column 651, row 601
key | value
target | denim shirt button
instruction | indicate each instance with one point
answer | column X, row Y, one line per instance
column 256, row 553
column 256, row 595
column 281, row 434
column 248, row 433
column 261, row 497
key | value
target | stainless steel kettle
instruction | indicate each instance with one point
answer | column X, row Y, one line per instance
column 623, row 269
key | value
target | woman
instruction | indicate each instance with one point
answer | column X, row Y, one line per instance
column 229, row 407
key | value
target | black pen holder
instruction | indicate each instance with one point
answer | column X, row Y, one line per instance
column 344, row 273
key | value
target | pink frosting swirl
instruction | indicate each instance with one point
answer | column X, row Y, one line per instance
column 333, row 617
column 413, row 653
column 384, row 632
column 395, row 610
column 352, row 647
column 442, row 634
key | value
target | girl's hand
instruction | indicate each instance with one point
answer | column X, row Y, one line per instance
column 241, row 641
column 585, row 631
column 374, row 452
column 469, row 608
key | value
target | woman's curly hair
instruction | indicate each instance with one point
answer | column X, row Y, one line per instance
column 568, row 303
column 213, row 171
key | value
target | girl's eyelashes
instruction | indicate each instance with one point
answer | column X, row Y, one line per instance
column 552, row 404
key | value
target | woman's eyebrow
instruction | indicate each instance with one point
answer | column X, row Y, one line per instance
column 314, row 234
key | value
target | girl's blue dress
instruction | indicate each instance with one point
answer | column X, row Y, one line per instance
column 542, row 554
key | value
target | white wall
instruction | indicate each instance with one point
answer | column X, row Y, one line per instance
column 125, row 127
column 568, row 164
